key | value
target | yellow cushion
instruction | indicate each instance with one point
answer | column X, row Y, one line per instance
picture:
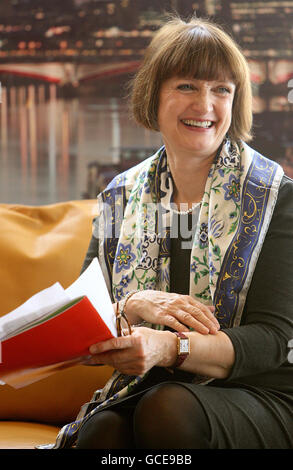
column 39, row 246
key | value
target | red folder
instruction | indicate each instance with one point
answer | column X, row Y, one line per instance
column 65, row 337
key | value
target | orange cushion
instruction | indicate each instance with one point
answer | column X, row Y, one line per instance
column 40, row 245
column 19, row 435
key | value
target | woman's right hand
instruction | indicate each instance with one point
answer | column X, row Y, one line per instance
column 177, row 311
column 137, row 353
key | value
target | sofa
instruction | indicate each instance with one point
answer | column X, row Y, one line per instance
column 40, row 245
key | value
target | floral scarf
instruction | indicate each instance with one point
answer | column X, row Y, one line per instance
column 134, row 229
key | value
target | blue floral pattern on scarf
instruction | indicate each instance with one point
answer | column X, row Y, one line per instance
column 124, row 257
column 232, row 189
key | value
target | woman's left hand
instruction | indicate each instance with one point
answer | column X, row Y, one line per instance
column 137, row 353
column 177, row 311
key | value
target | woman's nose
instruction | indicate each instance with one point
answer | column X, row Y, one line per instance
column 202, row 102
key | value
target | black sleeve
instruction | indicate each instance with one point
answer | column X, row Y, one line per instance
column 261, row 341
column 92, row 252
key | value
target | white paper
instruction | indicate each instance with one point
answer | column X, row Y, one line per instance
column 91, row 283
column 37, row 306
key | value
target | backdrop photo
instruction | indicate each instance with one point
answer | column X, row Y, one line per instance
column 65, row 128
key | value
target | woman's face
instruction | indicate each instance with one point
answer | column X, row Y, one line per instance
column 195, row 115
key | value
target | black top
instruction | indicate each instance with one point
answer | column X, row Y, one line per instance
column 261, row 342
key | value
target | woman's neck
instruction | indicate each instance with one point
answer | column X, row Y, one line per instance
column 189, row 177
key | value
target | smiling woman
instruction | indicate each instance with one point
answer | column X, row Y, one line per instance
column 197, row 285
column 200, row 50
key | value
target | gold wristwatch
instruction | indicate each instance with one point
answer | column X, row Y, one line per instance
column 183, row 348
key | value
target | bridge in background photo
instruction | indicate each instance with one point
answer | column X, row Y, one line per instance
column 67, row 73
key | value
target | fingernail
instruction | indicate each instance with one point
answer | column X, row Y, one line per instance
column 214, row 329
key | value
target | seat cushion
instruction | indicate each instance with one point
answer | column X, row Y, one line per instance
column 56, row 399
column 22, row 435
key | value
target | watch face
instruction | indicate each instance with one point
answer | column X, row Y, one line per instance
column 184, row 346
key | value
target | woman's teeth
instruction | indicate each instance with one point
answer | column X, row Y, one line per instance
column 192, row 123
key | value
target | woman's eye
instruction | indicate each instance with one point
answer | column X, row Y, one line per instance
column 224, row 90
column 185, row 87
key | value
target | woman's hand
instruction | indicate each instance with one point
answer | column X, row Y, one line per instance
column 177, row 311
column 137, row 353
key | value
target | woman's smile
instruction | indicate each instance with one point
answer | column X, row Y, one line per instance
column 197, row 124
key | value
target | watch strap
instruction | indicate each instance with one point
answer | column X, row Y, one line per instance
column 183, row 348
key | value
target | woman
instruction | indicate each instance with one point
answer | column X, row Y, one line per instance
column 196, row 240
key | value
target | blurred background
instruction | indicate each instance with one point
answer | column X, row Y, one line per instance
column 64, row 68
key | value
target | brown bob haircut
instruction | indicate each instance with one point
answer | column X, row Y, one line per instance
column 199, row 49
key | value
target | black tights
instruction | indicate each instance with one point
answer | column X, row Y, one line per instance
column 167, row 417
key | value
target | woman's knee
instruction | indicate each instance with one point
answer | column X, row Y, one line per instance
column 160, row 398
column 106, row 429
column 170, row 415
